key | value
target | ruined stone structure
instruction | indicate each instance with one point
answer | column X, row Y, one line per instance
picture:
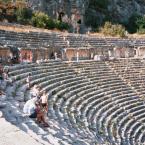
column 82, row 14
column 70, row 11
column 83, row 46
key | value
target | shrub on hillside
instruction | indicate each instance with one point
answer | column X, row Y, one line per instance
column 50, row 24
column 23, row 15
column 5, row 1
column 141, row 31
column 113, row 29
column 40, row 19
column 61, row 25
column 136, row 23
column 141, row 25
column 132, row 25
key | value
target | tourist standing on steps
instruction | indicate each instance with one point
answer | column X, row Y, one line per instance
column 44, row 101
column 28, row 80
column 55, row 55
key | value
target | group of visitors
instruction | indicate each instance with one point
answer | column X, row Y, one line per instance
column 37, row 106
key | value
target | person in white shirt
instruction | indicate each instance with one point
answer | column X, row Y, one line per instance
column 30, row 108
column 28, row 80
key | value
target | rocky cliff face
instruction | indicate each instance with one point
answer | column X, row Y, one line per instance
column 123, row 9
column 88, row 11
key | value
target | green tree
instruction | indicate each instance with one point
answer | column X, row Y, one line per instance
column 50, row 24
column 40, row 19
column 132, row 25
column 102, row 4
column 62, row 25
column 92, row 19
column 141, row 25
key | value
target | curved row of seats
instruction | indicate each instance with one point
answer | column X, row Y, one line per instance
column 132, row 71
column 60, row 40
column 91, row 98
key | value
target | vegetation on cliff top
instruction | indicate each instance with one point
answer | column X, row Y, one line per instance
column 97, row 16
column 20, row 13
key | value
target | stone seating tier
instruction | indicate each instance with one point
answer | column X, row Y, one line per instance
column 92, row 99
column 42, row 39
